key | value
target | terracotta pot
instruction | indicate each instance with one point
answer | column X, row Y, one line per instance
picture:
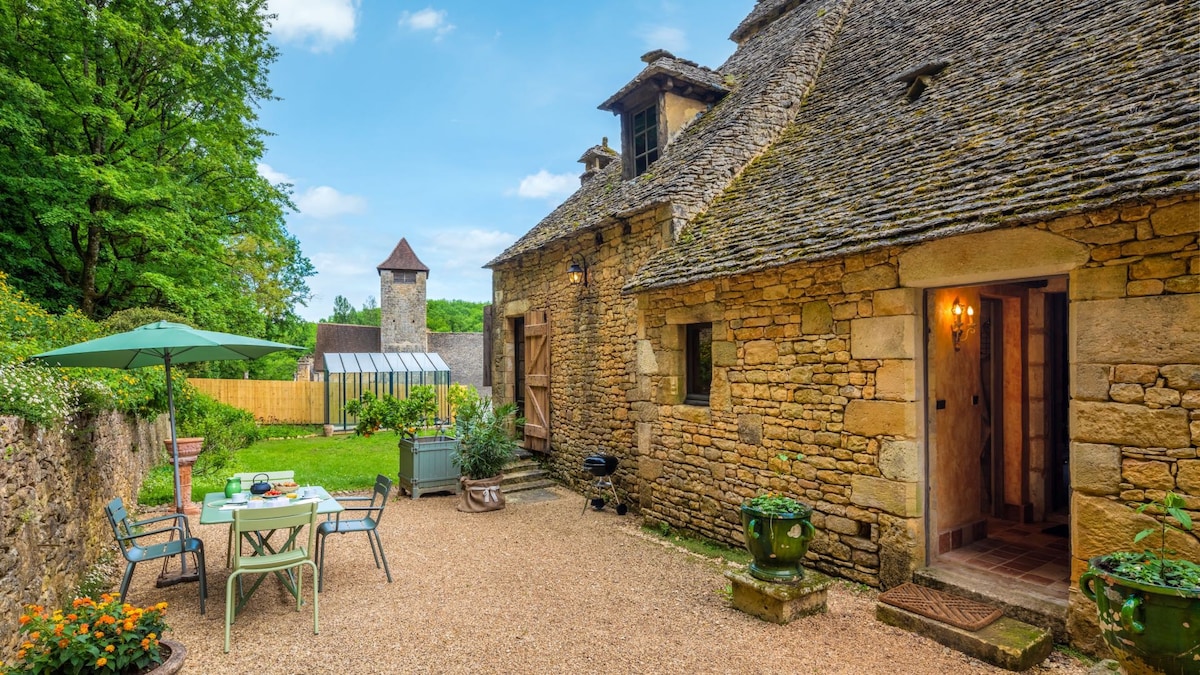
column 174, row 661
column 189, row 449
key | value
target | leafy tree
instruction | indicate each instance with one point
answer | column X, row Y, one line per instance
column 128, row 155
column 343, row 311
column 454, row 316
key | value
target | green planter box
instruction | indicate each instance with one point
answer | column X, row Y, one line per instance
column 425, row 464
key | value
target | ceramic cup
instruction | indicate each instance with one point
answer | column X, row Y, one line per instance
column 238, row 498
column 308, row 492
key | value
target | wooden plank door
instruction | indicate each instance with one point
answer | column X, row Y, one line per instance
column 537, row 381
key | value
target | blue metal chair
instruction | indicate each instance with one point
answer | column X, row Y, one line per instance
column 130, row 533
column 369, row 522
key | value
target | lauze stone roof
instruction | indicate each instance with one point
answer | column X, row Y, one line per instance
column 1031, row 112
column 402, row 259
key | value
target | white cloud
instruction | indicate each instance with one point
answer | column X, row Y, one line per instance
column 319, row 24
column 664, row 37
column 273, row 177
column 326, row 202
column 544, row 184
column 428, row 19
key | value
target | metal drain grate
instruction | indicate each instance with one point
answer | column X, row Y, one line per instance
column 941, row 606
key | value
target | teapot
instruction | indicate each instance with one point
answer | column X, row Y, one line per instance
column 259, row 487
column 232, row 486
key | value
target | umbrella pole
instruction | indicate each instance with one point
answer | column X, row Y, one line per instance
column 174, row 440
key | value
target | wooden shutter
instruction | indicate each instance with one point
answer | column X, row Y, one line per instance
column 537, row 381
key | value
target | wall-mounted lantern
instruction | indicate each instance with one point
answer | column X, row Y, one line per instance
column 577, row 273
column 963, row 323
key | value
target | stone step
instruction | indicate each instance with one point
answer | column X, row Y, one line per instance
column 516, row 477
column 1006, row 643
column 1017, row 600
column 528, row 485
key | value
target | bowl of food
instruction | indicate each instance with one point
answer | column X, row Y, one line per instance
column 285, row 486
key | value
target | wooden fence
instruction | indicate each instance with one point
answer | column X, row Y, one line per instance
column 271, row 401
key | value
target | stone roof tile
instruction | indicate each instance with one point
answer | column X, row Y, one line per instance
column 768, row 76
column 1056, row 109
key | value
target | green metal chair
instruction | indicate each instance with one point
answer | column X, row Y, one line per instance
column 369, row 523
column 130, row 534
column 257, row 526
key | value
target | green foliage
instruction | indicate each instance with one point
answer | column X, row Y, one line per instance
column 700, row 546
column 486, row 437
column 129, row 172
column 454, row 316
column 775, row 504
column 136, row 317
column 267, row 431
column 1152, row 566
column 441, row 316
column 405, row 415
column 39, row 394
column 225, row 429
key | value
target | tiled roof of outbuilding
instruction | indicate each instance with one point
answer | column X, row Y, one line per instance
column 342, row 337
column 769, row 76
column 1055, row 108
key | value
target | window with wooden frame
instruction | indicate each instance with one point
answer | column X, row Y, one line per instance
column 698, row 356
column 404, row 277
column 644, row 128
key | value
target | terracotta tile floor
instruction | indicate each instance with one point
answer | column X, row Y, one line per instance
column 1021, row 552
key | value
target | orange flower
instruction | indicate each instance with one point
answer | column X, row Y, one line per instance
column 35, row 635
column 27, row 645
column 99, row 634
column 129, row 624
column 25, row 619
column 20, row 653
column 72, row 616
column 58, row 630
column 145, row 643
column 109, row 648
column 101, row 661
column 62, row 644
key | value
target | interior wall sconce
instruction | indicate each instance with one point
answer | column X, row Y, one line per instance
column 577, row 273
column 962, row 324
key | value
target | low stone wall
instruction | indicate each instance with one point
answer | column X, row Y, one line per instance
column 53, row 488
column 463, row 352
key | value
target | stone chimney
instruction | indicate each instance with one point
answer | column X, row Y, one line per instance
column 595, row 159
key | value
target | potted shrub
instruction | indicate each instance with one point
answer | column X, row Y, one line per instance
column 106, row 636
column 487, row 443
column 777, row 531
column 1149, row 603
column 425, row 447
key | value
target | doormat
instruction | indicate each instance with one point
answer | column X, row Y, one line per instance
column 941, row 606
column 1060, row 530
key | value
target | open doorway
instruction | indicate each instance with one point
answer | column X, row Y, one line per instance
column 997, row 391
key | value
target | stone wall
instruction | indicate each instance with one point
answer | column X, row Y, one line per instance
column 463, row 352
column 1135, row 384
column 827, row 360
column 53, row 488
column 593, row 341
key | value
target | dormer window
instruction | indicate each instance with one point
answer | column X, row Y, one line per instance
column 659, row 104
column 645, row 138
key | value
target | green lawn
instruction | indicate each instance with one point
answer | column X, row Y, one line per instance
column 336, row 463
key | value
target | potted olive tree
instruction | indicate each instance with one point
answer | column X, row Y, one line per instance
column 487, row 443
column 1149, row 603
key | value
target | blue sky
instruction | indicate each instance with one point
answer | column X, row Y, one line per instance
column 456, row 125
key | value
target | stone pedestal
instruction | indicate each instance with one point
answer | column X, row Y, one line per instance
column 776, row 602
column 189, row 450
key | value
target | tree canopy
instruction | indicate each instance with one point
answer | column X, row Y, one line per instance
column 128, row 162
column 441, row 316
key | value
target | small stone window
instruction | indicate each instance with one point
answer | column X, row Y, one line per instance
column 698, row 355
column 404, row 277
column 644, row 125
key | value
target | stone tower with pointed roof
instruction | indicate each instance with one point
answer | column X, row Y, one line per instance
column 402, row 280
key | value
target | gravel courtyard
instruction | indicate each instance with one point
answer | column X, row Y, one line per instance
column 535, row 588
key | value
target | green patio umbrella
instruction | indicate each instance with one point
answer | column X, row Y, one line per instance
column 161, row 343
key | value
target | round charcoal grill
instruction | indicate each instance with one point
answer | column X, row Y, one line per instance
column 602, row 467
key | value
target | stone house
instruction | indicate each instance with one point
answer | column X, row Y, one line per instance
column 930, row 267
